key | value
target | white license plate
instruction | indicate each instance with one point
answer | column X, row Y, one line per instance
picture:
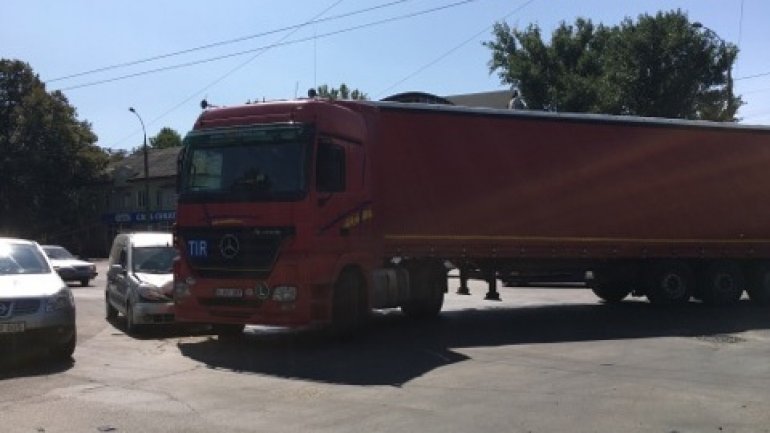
column 10, row 328
column 228, row 293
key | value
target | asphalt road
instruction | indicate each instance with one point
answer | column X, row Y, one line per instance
column 541, row 360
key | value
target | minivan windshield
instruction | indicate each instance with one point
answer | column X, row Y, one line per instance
column 264, row 163
column 16, row 258
column 153, row 260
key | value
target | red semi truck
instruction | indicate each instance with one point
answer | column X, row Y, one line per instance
column 314, row 212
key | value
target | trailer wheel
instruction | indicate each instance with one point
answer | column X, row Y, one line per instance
column 610, row 291
column 669, row 283
column 428, row 285
column 722, row 284
column 759, row 284
column 348, row 303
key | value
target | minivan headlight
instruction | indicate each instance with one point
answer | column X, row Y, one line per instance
column 61, row 300
column 151, row 292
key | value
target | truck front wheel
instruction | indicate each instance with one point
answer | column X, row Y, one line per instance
column 427, row 287
column 349, row 308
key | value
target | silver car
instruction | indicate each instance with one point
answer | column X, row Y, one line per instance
column 37, row 309
column 140, row 279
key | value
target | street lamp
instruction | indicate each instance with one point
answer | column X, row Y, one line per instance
column 723, row 43
column 146, row 170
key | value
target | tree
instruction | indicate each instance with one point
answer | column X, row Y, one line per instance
column 167, row 137
column 660, row 65
column 48, row 159
column 344, row 92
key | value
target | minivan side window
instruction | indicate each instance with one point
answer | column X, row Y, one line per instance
column 123, row 258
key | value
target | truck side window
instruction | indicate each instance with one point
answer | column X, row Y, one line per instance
column 330, row 167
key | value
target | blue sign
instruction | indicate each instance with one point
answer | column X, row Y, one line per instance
column 138, row 217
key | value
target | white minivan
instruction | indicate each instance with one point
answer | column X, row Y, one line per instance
column 140, row 279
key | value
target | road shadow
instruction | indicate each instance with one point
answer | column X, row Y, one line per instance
column 159, row 331
column 393, row 350
column 30, row 363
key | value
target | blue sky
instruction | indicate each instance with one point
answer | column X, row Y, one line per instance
column 438, row 52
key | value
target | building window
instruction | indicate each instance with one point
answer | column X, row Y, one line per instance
column 141, row 199
column 159, row 199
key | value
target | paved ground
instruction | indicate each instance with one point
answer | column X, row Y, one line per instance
column 542, row 360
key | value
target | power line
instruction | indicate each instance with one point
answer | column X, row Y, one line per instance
column 748, row 77
column 452, row 50
column 221, row 43
column 233, row 70
column 266, row 47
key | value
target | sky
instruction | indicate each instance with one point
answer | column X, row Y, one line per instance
column 286, row 47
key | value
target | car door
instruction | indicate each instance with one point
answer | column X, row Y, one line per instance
column 117, row 279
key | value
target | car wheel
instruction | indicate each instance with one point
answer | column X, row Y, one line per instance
column 84, row 282
column 64, row 351
column 131, row 327
column 110, row 313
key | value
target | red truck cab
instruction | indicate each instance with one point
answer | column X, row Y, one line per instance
column 273, row 201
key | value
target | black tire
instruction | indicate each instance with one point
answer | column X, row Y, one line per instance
column 428, row 285
column 64, row 351
column 84, row 282
column 131, row 327
column 349, row 307
column 722, row 284
column 227, row 330
column 759, row 284
column 110, row 312
column 669, row 283
column 610, row 292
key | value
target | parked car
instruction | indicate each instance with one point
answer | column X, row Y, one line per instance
column 37, row 308
column 69, row 267
column 140, row 279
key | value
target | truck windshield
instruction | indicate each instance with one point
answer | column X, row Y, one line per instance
column 246, row 164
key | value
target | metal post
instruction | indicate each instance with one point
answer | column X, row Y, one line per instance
column 146, row 170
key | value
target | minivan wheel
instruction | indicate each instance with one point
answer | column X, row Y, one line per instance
column 131, row 326
column 110, row 312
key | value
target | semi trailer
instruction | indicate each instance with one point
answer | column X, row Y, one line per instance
column 314, row 211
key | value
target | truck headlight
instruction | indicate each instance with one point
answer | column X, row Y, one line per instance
column 61, row 300
column 284, row 293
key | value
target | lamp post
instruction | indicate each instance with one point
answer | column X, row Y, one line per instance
column 146, row 170
column 723, row 43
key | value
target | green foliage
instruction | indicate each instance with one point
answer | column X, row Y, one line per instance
column 662, row 65
column 48, row 158
column 167, row 137
column 344, row 92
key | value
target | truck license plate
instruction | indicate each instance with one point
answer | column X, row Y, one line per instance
column 9, row 328
column 228, row 293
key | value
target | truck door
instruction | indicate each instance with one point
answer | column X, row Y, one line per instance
column 339, row 188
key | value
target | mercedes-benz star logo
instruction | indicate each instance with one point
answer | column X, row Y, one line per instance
column 229, row 246
column 262, row 291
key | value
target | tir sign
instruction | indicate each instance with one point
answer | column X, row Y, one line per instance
column 197, row 248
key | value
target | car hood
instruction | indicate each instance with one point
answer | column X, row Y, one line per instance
column 158, row 280
column 29, row 285
column 63, row 263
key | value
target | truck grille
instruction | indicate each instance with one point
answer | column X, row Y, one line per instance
column 233, row 252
